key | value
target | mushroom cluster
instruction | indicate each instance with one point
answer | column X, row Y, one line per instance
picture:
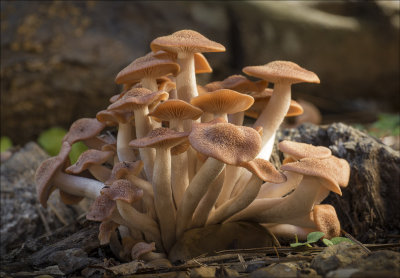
column 169, row 155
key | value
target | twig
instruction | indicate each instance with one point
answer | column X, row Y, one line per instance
column 44, row 220
column 349, row 236
column 57, row 213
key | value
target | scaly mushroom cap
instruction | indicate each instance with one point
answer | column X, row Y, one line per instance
column 122, row 169
column 213, row 86
column 83, row 129
column 201, row 64
column 137, row 97
column 328, row 169
column 326, row 220
column 46, row 171
column 123, row 190
column 89, row 158
column 176, row 109
column 101, row 209
column 185, row 41
column 146, row 66
column 106, row 228
column 264, row 170
column 226, row 142
column 241, row 84
column 302, row 150
column 160, row 137
column 282, row 71
column 113, row 117
column 223, row 101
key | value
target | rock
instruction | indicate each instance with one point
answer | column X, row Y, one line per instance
column 336, row 256
column 276, row 270
column 383, row 260
column 219, row 237
column 202, row 272
column 368, row 208
column 71, row 260
column 70, row 52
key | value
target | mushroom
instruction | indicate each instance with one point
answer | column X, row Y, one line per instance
column 222, row 143
column 185, row 43
column 283, row 74
column 49, row 176
column 83, row 130
column 163, row 139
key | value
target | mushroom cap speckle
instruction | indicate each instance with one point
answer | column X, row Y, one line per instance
column 147, row 66
column 326, row 220
column 83, row 129
column 328, row 169
column 185, row 41
column 87, row 159
column 226, row 142
column 176, row 109
column 161, row 137
column 301, row 150
column 101, row 209
column 264, row 170
column 223, row 101
column 137, row 98
column 123, row 190
column 282, row 72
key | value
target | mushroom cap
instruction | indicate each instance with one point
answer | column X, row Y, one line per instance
column 213, row 86
column 147, row 66
column 241, row 84
column 142, row 248
column 282, row 72
column 106, row 228
column 83, row 129
column 264, row 170
column 223, row 101
column 326, row 220
column 327, row 169
column 89, row 158
column 185, row 41
column 46, row 172
column 70, row 199
column 113, row 117
column 301, row 150
column 176, row 109
column 123, row 169
column 226, row 142
column 167, row 86
column 161, row 137
column 201, row 64
column 137, row 98
column 123, row 190
column 101, row 209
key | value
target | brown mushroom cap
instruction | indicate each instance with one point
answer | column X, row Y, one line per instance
column 113, row 117
column 282, row 71
column 264, row 170
column 142, row 248
column 160, row 137
column 176, row 109
column 137, row 97
column 46, row 171
column 147, row 66
column 223, row 101
column 83, row 129
column 101, row 209
column 241, row 84
column 89, row 158
column 124, row 168
column 327, row 169
column 185, row 41
column 326, row 220
column 201, row 64
column 301, row 150
column 213, row 86
column 226, row 142
column 106, row 228
column 70, row 199
column 123, row 190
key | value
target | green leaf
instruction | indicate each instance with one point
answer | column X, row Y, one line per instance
column 297, row 244
column 50, row 140
column 76, row 151
column 5, row 143
column 327, row 242
column 314, row 237
column 337, row 240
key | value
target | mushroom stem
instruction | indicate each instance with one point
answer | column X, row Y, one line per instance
column 231, row 175
column 195, row 191
column 149, row 83
column 78, row 186
column 100, row 172
column 186, row 79
column 124, row 136
column 236, row 118
column 179, row 176
column 238, row 203
column 163, row 200
column 288, row 231
column 148, row 197
column 276, row 190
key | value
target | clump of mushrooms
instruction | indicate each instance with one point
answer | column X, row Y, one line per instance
column 179, row 159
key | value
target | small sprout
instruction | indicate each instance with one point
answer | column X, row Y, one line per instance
column 5, row 143
column 336, row 240
column 312, row 237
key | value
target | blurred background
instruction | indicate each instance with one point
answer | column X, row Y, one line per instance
column 59, row 58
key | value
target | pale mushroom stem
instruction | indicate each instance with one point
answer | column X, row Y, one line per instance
column 195, row 191
column 231, row 175
column 149, row 83
column 148, row 197
column 275, row 190
column 288, row 231
column 236, row 118
column 207, row 203
column 78, row 186
column 100, row 172
column 239, row 202
column 273, row 115
column 186, row 79
column 163, row 200
column 124, row 136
